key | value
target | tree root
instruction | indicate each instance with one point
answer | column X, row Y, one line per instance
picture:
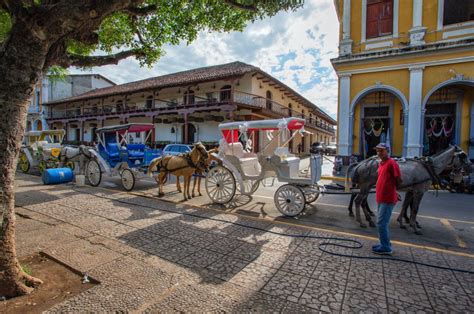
column 30, row 280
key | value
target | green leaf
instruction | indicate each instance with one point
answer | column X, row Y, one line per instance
column 5, row 25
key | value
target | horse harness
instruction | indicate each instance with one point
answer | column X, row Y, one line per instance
column 187, row 156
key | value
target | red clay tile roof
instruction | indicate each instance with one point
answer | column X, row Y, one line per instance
column 204, row 74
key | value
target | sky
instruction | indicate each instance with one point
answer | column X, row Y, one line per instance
column 295, row 47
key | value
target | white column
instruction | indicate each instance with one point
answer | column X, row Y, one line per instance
column 417, row 32
column 345, row 46
column 343, row 115
column 415, row 116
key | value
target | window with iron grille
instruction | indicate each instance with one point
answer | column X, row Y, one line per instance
column 443, row 109
column 376, row 111
column 379, row 20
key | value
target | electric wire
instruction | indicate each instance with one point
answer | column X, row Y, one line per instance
column 355, row 243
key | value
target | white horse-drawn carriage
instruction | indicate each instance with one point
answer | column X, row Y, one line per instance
column 41, row 149
column 244, row 170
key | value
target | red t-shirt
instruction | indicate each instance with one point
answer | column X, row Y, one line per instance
column 386, row 188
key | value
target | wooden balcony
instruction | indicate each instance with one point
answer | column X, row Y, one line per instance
column 158, row 107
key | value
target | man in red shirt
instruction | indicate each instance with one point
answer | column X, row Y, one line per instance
column 389, row 178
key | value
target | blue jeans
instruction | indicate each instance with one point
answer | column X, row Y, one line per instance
column 383, row 219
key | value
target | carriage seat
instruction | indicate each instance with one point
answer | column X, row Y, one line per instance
column 136, row 151
column 248, row 161
column 113, row 150
column 289, row 163
column 39, row 145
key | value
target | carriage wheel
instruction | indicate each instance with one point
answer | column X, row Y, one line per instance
column 220, row 185
column 93, row 173
column 128, row 179
column 42, row 166
column 24, row 163
column 311, row 194
column 250, row 186
column 289, row 200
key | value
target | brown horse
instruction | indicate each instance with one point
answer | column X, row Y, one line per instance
column 200, row 170
column 183, row 165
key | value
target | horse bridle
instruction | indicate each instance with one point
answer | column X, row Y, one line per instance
column 202, row 151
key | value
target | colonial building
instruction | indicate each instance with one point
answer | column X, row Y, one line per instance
column 49, row 90
column 406, row 76
column 188, row 106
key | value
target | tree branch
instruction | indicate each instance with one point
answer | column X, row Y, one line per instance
column 135, row 11
column 90, row 61
column 241, row 6
column 11, row 6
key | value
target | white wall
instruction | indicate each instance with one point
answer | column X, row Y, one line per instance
column 99, row 82
column 208, row 131
column 163, row 132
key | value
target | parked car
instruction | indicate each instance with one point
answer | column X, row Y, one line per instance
column 176, row 149
column 317, row 148
column 331, row 149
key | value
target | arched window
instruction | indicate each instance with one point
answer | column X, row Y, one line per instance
column 188, row 98
column 269, row 100
column 225, row 94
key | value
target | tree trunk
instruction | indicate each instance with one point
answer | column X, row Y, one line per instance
column 37, row 40
column 21, row 62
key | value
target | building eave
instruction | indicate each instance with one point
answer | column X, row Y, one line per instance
column 360, row 58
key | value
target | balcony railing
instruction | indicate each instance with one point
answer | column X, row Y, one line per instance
column 157, row 105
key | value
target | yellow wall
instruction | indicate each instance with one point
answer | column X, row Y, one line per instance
column 405, row 21
column 432, row 76
column 394, row 70
column 397, row 79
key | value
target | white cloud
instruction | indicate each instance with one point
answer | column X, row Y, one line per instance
column 295, row 47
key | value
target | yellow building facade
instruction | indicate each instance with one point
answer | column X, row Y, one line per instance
column 406, row 76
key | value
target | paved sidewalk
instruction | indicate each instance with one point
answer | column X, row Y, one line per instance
column 154, row 256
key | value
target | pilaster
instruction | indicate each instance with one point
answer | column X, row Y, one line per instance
column 344, row 115
column 417, row 32
column 415, row 115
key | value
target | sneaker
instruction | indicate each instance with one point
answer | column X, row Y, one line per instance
column 376, row 246
column 382, row 251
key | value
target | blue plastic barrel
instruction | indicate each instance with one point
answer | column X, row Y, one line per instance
column 57, row 175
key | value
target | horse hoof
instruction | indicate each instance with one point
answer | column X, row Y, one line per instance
column 363, row 225
column 194, row 195
column 372, row 224
column 161, row 194
column 351, row 214
column 418, row 225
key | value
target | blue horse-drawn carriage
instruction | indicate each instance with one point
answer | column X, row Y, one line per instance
column 117, row 155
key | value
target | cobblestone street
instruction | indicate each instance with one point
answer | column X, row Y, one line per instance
column 156, row 256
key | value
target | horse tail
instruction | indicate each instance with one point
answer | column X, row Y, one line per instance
column 153, row 166
column 354, row 175
column 346, row 178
